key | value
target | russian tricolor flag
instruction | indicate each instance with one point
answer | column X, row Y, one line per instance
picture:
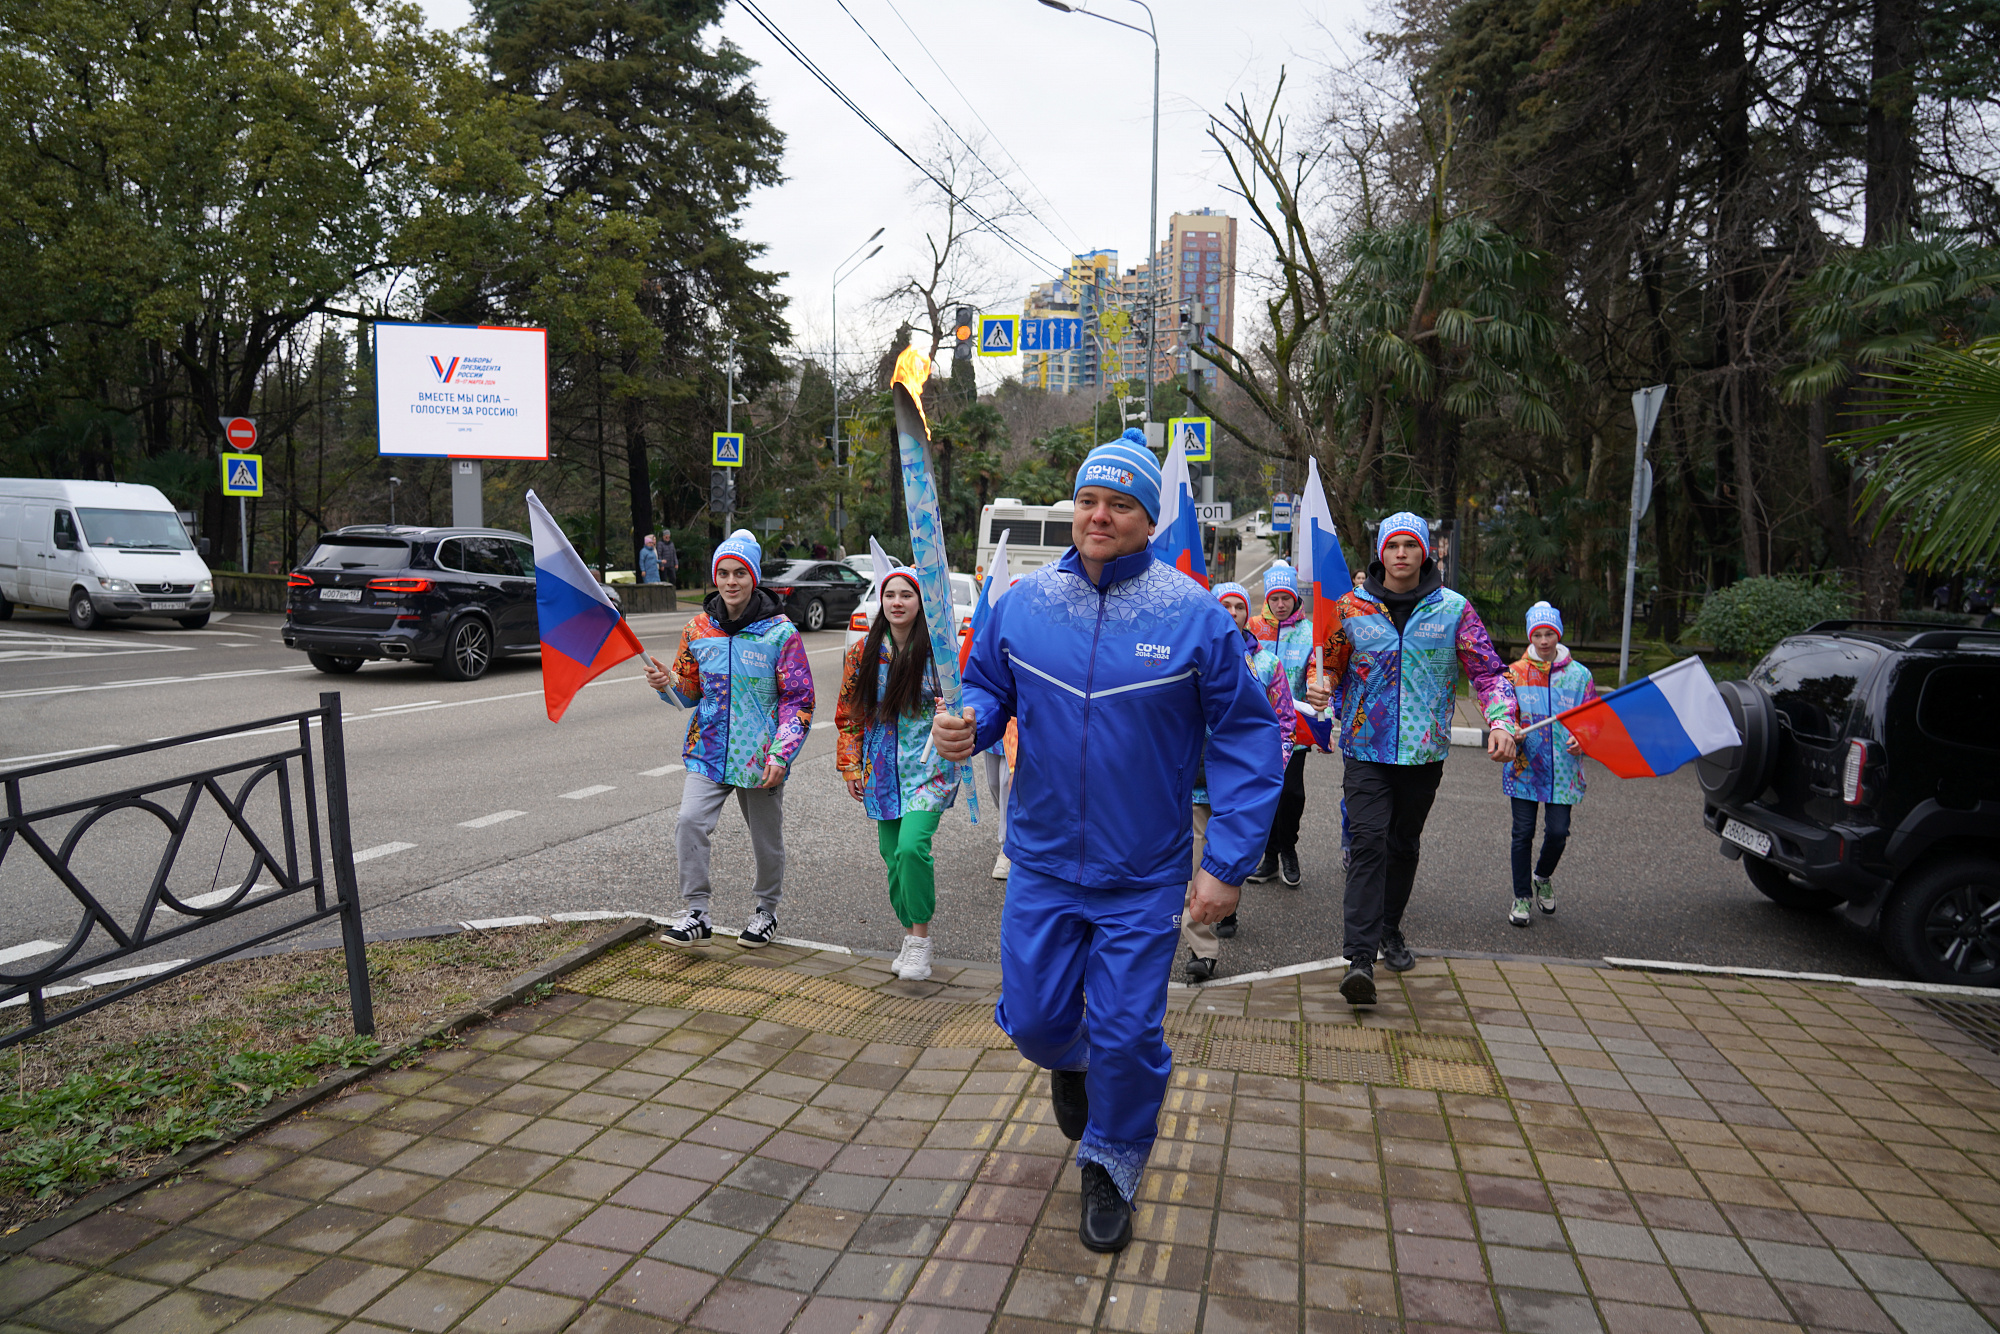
column 1323, row 572
column 1177, row 534
column 989, row 593
column 1654, row 726
column 582, row 633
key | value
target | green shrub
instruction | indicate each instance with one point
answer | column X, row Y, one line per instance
column 1749, row 617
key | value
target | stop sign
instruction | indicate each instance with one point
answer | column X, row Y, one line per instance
column 240, row 432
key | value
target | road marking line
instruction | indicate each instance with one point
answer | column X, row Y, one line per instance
column 418, row 704
column 382, row 850
column 102, row 980
column 493, row 819
column 583, row 792
column 28, row 950
column 815, row 652
column 221, row 896
column 662, row 771
column 55, row 754
column 155, row 681
column 495, row 923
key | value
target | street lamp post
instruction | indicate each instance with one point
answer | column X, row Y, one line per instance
column 394, row 482
column 850, row 264
column 1153, row 209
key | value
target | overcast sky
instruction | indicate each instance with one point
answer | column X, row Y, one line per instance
column 1067, row 97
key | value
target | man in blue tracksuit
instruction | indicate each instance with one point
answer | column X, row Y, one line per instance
column 1115, row 666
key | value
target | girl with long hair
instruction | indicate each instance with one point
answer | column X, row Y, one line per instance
column 887, row 695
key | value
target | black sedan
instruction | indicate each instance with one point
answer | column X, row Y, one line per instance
column 815, row 593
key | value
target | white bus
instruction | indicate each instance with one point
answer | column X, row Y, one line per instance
column 1037, row 535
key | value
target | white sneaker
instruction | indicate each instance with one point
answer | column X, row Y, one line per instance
column 904, row 955
column 1001, row 866
column 918, row 966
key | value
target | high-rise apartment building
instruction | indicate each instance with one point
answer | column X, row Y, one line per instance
column 1194, row 306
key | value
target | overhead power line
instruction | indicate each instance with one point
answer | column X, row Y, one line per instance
column 793, row 49
column 991, row 133
column 945, row 120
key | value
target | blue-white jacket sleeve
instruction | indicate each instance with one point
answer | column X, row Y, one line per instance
column 1243, row 784
column 989, row 681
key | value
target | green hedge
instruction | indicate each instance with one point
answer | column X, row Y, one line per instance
column 1749, row 617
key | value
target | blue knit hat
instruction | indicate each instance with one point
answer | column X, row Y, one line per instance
column 1126, row 465
column 1405, row 522
column 1543, row 613
column 1222, row 591
column 1281, row 578
column 742, row 546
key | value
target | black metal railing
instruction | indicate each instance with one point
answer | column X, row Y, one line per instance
column 286, row 846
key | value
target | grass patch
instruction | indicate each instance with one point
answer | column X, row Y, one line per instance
column 105, row 1097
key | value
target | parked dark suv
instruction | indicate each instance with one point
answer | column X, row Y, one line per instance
column 1869, row 780
column 457, row 597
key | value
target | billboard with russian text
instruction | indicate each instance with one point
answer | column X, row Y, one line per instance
column 462, row 391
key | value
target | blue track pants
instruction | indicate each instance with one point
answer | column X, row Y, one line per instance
column 1059, row 942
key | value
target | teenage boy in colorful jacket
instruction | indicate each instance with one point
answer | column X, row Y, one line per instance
column 1203, row 940
column 1286, row 630
column 1394, row 654
column 1117, row 667
column 742, row 668
column 1546, row 773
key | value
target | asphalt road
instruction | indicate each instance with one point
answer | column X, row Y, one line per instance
column 468, row 804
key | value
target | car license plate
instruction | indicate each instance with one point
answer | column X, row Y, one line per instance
column 170, row 606
column 340, row 595
column 1743, row 836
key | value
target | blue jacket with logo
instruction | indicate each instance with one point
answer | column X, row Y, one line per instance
column 1115, row 685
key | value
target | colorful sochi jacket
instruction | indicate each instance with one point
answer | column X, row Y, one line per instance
column 899, row 768
column 751, row 691
column 1270, row 673
column 1542, row 768
column 1292, row 640
column 1396, row 688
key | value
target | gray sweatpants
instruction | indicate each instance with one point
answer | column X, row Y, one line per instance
column 763, row 811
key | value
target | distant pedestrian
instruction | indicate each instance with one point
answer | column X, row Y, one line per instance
column 819, row 551
column 670, row 560
column 1286, row 629
column 1394, row 655
column 649, row 561
column 742, row 668
column 1546, row 773
column 1203, row 939
column 885, row 756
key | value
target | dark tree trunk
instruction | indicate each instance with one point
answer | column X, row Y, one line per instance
column 1890, row 187
column 638, row 475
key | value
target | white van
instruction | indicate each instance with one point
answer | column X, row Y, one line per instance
column 1037, row 535
column 100, row 551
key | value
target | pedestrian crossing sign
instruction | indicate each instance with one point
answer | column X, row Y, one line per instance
column 999, row 335
column 1195, row 436
column 242, row 474
column 725, row 450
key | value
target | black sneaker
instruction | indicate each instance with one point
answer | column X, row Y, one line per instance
column 1266, row 869
column 1106, row 1224
column 1395, row 954
column 759, row 930
column 1226, row 928
column 1071, row 1100
column 1199, row 969
column 690, row 928
column 1288, row 868
column 1358, row 987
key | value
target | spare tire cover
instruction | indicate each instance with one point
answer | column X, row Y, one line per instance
column 1739, row 773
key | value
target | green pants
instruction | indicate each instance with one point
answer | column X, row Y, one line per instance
column 906, row 851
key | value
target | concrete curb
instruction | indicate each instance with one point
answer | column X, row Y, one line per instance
column 508, row 996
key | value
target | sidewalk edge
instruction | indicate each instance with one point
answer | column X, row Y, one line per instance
column 508, row 996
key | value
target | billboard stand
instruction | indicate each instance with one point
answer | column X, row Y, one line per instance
column 468, row 496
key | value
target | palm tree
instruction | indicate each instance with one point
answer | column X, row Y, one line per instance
column 1937, row 468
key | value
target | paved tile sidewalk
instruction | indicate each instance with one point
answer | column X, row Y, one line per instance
column 1651, row 1153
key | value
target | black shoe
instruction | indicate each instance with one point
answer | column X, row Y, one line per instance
column 1358, row 987
column 1070, row 1100
column 1266, row 869
column 1107, row 1220
column 1200, row 969
column 1396, row 955
column 1226, row 928
column 1288, row 868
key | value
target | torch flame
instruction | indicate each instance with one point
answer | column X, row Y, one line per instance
column 913, row 372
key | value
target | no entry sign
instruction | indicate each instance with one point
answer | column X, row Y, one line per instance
column 240, row 432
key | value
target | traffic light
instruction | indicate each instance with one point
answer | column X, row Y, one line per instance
column 721, row 491
column 962, row 334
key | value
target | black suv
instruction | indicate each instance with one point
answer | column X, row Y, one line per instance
column 457, row 597
column 1869, row 779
